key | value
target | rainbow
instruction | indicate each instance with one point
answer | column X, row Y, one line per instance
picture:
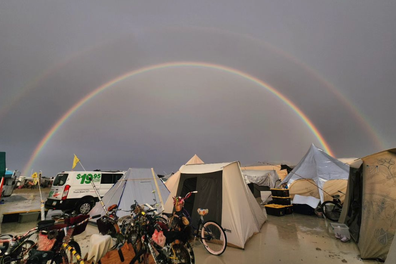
column 103, row 87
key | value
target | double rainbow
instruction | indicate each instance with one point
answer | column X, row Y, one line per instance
column 127, row 75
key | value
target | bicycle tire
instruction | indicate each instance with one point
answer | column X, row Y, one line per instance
column 191, row 252
column 213, row 238
column 23, row 251
column 182, row 254
column 332, row 210
column 59, row 258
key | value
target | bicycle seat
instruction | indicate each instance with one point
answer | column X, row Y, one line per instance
column 202, row 211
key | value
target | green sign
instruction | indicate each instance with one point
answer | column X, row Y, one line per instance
column 2, row 164
column 86, row 178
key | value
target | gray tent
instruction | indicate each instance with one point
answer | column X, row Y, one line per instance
column 318, row 171
column 142, row 185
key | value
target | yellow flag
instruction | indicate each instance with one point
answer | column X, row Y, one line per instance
column 75, row 161
column 34, row 175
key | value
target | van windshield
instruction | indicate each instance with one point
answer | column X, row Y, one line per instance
column 60, row 179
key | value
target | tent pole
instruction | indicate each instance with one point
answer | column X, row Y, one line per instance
column 159, row 192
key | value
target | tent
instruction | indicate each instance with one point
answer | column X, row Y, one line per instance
column 391, row 258
column 268, row 178
column 279, row 169
column 142, row 185
column 260, row 180
column 222, row 190
column 318, row 171
column 173, row 180
column 370, row 204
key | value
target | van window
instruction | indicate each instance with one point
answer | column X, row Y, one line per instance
column 60, row 179
column 106, row 178
column 110, row 178
column 117, row 177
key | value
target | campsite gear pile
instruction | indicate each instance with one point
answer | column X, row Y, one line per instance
column 281, row 203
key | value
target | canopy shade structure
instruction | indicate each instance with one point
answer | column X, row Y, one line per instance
column 318, row 171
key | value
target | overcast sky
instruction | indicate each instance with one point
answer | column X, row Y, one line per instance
column 254, row 70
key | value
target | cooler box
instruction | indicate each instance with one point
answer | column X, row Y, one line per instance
column 281, row 200
column 278, row 210
column 280, row 192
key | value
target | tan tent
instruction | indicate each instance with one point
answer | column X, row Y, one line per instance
column 370, row 205
column 172, row 182
column 267, row 167
column 391, row 258
column 221, row 189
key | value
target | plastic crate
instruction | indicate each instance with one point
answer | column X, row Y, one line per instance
column 341, row 230
column 281, row 200
column 288, row 209
column 275, row 209
column 280, row 192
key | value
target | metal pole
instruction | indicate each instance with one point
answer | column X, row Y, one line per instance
column 41, row 198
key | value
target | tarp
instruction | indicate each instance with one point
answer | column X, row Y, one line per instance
column 261, row 177
column 142, row 185
column 317, row 171
column 222, row 189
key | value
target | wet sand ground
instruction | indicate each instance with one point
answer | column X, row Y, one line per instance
column 288, row 239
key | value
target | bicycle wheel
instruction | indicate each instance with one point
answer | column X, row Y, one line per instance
column 124, row 223
column 181, row 254
column 59, row 258
column 332, row 210
column 23, row 251
column 214, row 238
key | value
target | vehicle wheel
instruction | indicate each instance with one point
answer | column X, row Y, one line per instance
column 85, row 206
column 214, row 238
column 332, row 210
column 23, row 251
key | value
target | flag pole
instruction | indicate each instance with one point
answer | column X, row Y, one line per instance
column 94, row 187
column 82, row 166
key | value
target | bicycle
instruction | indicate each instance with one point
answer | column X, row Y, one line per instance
column 147, row 237
column 56, row 238
column 16, row 248
column 332, row 209
column 210, row 233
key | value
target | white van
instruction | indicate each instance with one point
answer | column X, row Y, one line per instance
column 73, row 190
